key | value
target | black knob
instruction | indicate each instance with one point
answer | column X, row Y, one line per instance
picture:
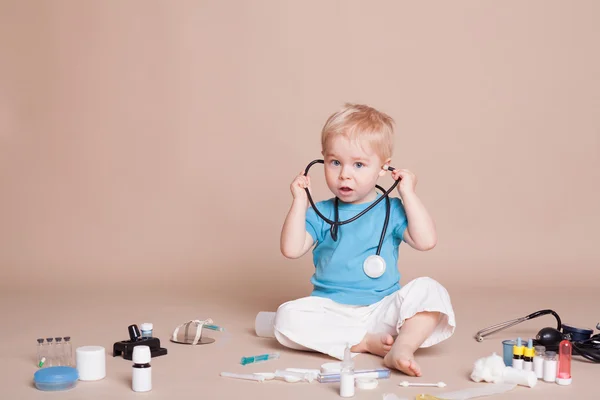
column 134, row 332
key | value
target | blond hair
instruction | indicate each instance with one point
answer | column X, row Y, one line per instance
column 358, row 122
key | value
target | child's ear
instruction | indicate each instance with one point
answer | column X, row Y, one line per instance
column 384, row 167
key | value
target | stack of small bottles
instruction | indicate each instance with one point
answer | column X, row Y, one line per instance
column 54, row 352
column 547, row 365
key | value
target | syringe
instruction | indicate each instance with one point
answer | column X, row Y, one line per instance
column 261, row 357
column 213, row 327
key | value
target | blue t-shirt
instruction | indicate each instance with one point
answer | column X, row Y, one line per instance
column 339, row 273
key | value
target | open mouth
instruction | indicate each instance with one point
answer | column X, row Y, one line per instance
column 345, row 190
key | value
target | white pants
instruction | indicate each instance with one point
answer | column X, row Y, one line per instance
column 320, row 324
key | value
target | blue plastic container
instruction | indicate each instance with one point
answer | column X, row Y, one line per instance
column 507, row 351
column 56, row 378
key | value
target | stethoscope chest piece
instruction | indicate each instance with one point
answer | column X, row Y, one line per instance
column 374, row 266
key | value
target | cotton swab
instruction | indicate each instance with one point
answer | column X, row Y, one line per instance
column 417, row 384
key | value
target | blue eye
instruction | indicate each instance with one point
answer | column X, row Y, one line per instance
column 359, row 165
column 335, row 162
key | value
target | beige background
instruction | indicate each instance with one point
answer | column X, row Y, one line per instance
column 149, row 146
column 152, row 143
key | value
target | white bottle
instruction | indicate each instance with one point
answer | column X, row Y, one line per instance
column 146, row 329
column 347, row 375
column 142, row 371
column 538, row 361
column 550, row 366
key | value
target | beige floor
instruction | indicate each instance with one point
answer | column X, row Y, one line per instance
column 193, row 372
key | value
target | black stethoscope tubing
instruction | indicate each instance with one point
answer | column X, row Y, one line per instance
column 336, row 223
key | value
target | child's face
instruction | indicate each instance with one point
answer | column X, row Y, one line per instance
column 351, row 171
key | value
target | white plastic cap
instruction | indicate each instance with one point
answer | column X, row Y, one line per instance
column 331, row 367
column 365, row 383
column 146, row 326
column 141, row 355
column 564, row 381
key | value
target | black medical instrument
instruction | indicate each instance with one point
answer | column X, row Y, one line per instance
column 374, row 265
column 584, row 343
column 507, row 324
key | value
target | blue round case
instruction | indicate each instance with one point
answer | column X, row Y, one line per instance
column 55, row 378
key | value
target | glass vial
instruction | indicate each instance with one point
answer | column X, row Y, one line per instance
column 538, row 361
column 565, row 350
column 68, row 351
column 141, row 380
column 58, row 351
column 550, row 366
column 49, row 352
column 41, row 353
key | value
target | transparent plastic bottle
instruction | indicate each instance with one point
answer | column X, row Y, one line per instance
column 58, row 351
column 347, row 375
column 68, row 351
column 563, row 377
column 49, row 352
column 41, row 353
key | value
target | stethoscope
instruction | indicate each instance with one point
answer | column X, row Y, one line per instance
column 374, row 265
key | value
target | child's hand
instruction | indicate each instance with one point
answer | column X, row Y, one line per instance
column 408, row 181
column 298, row 185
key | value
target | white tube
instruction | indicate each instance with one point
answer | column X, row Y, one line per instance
column 420, row 384
column 250, row 377
column 291, row 376
column 268, row 375
column 520, row 377
column 314, row 373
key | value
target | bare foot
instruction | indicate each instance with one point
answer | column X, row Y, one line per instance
column 375, row 343
column 402, row 359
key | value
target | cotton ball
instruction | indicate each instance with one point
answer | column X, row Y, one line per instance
column 488, row 369
column 477, row 374
column 497, row 367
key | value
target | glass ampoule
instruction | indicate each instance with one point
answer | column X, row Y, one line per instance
column 68, row 351
column 41, row 353
column 58, row 351
column 49, row 352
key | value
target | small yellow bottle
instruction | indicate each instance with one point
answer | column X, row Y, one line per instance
column 518, row 350
column 528, row 354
